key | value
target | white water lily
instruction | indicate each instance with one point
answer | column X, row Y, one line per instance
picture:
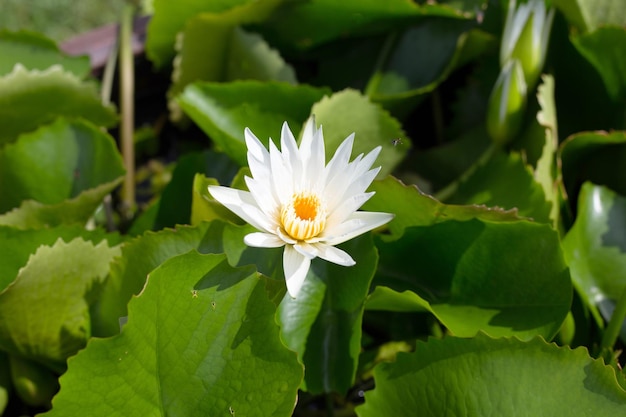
column 299, row 202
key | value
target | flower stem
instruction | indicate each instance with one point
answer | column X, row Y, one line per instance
column 611, row 333
column 127, row 87
column 374, row 81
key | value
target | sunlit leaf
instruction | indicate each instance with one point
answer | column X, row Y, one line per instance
column 349, row 112
column 57, row 174
column 44, row 313
column 17, row 245
column 200, row 340
column 223, row 111
column 34, row 51
column 170, row 18
column 414, row 208
column 29, row 99
column 589, row 15
column 483, row 376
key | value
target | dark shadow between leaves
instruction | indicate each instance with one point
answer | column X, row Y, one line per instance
column 223, row 276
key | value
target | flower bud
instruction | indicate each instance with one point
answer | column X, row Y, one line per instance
column 507, row 103
column 525, row 37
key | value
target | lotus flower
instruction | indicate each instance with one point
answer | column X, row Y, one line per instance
column 298, row 201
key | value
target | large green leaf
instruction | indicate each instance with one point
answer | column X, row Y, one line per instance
column 200, row 340
column 44, row 313
column 595, row 246
column 501, row 377
column 223, row 111
column 143, row 254
column 596, row 157
column 34, row 51
column 349, row 112
column 213, row 47
column 29, row 99
column 66, row 168
column 501, row 278
column 170, row 19
column 17, row 245
column 604, row 49
column 474, row 268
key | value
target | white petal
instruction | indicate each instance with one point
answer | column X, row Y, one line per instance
column 264, row 196
column 282, row 180
column 310, row 251
column 296, row 267
column 243, row 204
column 357, row 224
column 340, row 159
column 334, row 255
column 263, row 240
column 345, row 209
column 258, row 156
column 315, row 164
column 290, row 152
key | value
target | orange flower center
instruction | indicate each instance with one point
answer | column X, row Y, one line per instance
column 304, row 217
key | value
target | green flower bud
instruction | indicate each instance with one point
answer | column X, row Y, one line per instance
column 525, row 37
column 507, row 103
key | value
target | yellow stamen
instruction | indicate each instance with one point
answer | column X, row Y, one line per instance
column 304, row 217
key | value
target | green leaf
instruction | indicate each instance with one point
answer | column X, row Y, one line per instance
column 348, row 112
column 5, row 381
column 504, row 181
column 176, row 199
column 448, row 43
column 34, row 215
column 414, row 208
column 128, row 273
column 505, row 377
column 504, row 278
column 546, row 171
column 595, row 157
column 204, row 207
column 143, row 254
column 200, row 340
column 595, row 246
column 17, row 245
column 589, row 15
column 306, row 24
column 44, row 313
column 213, row 47
column 223, row 111
column 29, row 99
column 323, row 324
column 170, row 19
column 35, row 51
column 67, row 163
column 604, row 49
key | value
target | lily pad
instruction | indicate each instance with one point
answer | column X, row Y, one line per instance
column 200, row 340
column 483, row 376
